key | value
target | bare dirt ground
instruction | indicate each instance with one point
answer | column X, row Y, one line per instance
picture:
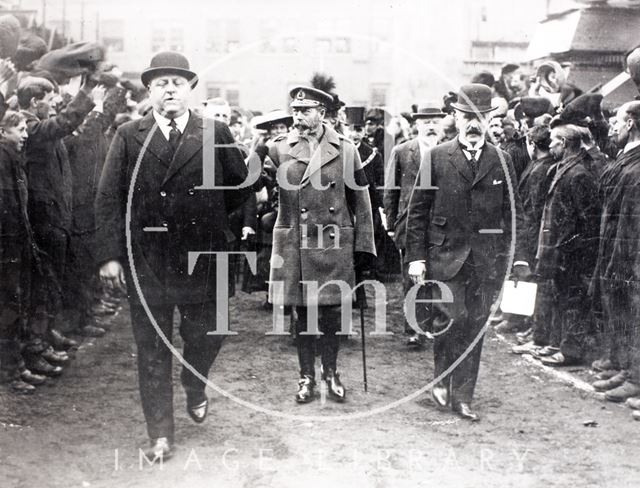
column 85, row 429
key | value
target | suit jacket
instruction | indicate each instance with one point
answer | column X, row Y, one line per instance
column 169, row 216
column 402, row 170
column 465, row 216
column 317, row 231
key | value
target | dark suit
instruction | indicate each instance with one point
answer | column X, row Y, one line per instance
column 169, row 218
column 463, row 230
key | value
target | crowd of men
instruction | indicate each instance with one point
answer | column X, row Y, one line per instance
column 575, row 168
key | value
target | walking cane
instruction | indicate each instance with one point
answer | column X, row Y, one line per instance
column 361, row 300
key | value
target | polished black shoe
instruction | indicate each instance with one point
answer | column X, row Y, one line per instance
column 415, row 341
column 161, row 449
column 55, row 357
column 464, row 411
column 33, row 379
column 440, row 395
column 21, row 387
column 60, row 342
column 198, row 410
column 39, row 365
column 306, row 385
column 335, row 388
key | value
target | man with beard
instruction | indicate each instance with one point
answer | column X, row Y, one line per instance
column 568, row 245
column 324, row 226
column 404, row 164
column 170, row 217
column 458, row 236
column 617, row 275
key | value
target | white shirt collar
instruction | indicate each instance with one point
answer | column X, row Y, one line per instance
column 630, row 146
column 467, row 145
column 163, row 123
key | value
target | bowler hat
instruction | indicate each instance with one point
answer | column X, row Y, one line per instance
column 474, row 98
column 273, row 117
column 168, row 62
column 308, row 97
column 354, row 115
column 429, row 109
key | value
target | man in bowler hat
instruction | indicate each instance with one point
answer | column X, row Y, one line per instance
column 170, row 216
column 458, row 237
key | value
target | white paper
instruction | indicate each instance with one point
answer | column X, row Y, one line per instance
column 519, row 300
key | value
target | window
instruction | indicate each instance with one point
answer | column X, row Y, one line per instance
column 342, row 45
column 378, row 95
column 233, row 97
column 167, row 38
column 112, row 35
column 213, row 91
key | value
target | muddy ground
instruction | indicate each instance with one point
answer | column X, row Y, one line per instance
column 84, row 429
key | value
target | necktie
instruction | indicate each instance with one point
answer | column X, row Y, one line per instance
column 472, row 161
column 174, row 135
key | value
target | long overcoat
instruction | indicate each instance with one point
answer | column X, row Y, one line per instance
column 170, row 216
column 322, row 219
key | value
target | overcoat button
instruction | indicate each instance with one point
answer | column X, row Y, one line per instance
column 303, row 210
column 331, row 209
column 333, row 183
column 190, row 191
column 332, row 235
column 163, row 193
column 165, row 224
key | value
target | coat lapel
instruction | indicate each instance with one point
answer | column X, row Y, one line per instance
column 190, row 143
column 485, row 164
column 327, row 151
column 156, row 144
column 460, row 162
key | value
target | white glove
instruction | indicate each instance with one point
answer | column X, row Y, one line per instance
column 417, row 270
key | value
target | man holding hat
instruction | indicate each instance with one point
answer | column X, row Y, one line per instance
column 402, row 170
column 458, row 238
column 324, row 226
column 170, row 215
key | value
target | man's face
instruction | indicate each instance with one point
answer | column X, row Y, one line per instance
column 307, row 119
column 621, row 127
column 279, row 129
column 16, row 136
column 356, row 133
column 429, row 126
column 370, row 127
column 221, row 113
column 44, row 108
column 237, row 130
column 557, row 146
column 469, row 126
column 495, row 128
column 169, row 95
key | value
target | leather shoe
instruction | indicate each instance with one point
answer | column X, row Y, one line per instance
column 160, row 448
column 524, row 337
column 611, row 383
column 21, row 387
column 546, row 351
column 605, row 375
column 91, row 331
column 305, row 389
column 603, row 365
column 55, row 357
column 440, row 395
column 60, row 342
column 39, row 365
column 198, row 410
column 559, row 359
column 415, row 341
column 464, row 411
column 335, row 388
column 32, row 378
column 633, row 403
column 622, row 392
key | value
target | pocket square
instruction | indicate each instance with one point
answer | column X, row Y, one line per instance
column 497, row 182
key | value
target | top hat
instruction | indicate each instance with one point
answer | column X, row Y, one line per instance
column 474, row 98
column 429, row 109
column 168, row 62
column 308, row 97
column 354, row 115
column 276, row 116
